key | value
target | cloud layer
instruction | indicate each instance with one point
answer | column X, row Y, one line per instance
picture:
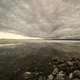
column 57, row 19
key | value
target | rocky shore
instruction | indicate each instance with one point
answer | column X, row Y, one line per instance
column 56, row 69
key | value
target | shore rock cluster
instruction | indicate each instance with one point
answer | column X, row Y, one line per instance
column 56, row 69
column 65, row 69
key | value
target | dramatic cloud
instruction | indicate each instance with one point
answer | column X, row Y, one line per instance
column 57, row 19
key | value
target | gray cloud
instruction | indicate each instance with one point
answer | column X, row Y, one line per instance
column 57, row 19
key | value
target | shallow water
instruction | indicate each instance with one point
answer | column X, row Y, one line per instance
column 14, row 56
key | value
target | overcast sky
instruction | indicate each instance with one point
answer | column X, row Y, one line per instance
column 57, row 19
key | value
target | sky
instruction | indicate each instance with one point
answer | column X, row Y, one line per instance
column 6, row 35
column 56, row 19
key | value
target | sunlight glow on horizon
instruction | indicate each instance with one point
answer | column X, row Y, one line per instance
column 6, row 35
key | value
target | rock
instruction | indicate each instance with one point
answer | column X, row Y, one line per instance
column 50, row 77
column 70, row 76
column 61, row 76
column 55, row 71
column 76, row 74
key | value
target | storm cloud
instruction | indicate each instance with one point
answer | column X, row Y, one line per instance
column 56, row 19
